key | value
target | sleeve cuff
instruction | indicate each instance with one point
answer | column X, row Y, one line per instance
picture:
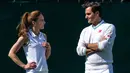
column 100, row 46
column 84, row 51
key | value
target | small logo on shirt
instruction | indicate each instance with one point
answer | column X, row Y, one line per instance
column 100, row 31
column 108, row 35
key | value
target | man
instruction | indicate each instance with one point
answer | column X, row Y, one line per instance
column 96, row 41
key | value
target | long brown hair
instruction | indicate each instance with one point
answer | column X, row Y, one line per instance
column 26, row 22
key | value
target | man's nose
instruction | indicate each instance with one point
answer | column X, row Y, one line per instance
column 44, row 22
column 86, row 16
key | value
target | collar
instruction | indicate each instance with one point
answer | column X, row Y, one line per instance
column 101, row 22
column 33, row 34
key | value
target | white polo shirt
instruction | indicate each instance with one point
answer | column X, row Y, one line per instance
column 94, row 34
column 35, row 52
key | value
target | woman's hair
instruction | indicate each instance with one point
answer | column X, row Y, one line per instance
column 26, row 22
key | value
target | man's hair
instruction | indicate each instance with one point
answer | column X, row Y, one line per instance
column 96, row 6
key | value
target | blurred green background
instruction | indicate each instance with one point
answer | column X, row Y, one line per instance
column 64, row 22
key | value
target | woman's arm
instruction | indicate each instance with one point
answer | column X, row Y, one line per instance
column 48, row 48
column 15, row 48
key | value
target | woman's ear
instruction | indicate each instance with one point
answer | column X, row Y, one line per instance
column 33, row 23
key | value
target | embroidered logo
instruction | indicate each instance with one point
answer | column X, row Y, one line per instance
column 108, row 35
column 100, row 31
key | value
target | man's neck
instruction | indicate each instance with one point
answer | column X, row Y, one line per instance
column 97, row 22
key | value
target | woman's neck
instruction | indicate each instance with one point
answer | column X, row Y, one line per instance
column 35, row 31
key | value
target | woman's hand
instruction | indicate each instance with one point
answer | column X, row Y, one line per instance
column 48, row 49
column 31, row 65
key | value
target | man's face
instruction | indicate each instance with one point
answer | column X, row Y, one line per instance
column 90, row 16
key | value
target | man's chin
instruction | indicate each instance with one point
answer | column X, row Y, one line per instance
column 89, row 22
column 42, row 28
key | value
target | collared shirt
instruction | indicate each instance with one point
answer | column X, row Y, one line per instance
column 94, row 27
column 94, row 34
column 35, row 52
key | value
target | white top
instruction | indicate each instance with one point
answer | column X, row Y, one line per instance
column 35, row 52
column 93, row 34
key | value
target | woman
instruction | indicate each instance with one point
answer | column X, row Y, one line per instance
column 34, row 43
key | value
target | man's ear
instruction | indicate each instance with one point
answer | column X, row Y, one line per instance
column 97, row 13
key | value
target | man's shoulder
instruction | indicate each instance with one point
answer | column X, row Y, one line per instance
column 108, row 24
column 86, row 28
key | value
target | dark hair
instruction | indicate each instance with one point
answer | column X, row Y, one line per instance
column 26, row 22
column 96, row 6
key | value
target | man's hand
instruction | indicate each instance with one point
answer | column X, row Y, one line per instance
column 89, row 51
column 93, row 47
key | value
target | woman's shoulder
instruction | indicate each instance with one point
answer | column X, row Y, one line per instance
column 44, row 35
column 23, row 39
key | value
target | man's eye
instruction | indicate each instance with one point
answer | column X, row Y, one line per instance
column 88, row 13
column 41, row 20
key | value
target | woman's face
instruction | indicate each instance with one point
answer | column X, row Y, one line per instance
column 40, row 22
